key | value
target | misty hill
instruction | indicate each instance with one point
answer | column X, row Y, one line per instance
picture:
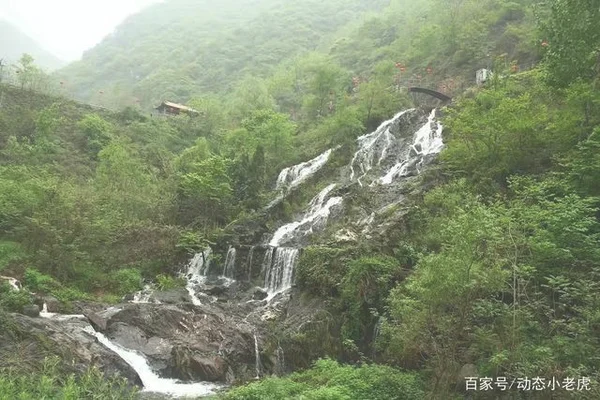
column 182, row 47
column 13, row 43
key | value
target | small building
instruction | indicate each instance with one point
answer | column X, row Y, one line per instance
column 169, row 108
column 482, row 76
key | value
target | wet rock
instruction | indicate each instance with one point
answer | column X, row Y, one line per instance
column 259, row 294
column 173, row 296
column 52, row 303
column 215, row 290
column 32, row 310
column 38, row 338
column 99, row 320
column 191, row 366
column 187, row 343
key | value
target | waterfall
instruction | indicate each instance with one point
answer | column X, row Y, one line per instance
column 143, row 296
column 371, row 144
column 279, row 262
column 279, row 267
column 59, row 317
column 427, row 140
column 249, row 262
column 280, row 367
column 315, row 218
column 293, row 176
column 14, row 283
column 229, row 269
column 151, row 381
column 256, row 357
column 376, row 331
column 196, row 273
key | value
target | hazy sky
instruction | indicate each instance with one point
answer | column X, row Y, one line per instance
column 68, row 27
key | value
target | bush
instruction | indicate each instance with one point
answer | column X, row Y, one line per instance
column 321, row 269
column 49, row 384
column 39, row 282
column 12, row 300
column 329, row 380
column 167, row 282
column 127, row 280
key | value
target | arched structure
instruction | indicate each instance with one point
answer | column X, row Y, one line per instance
column 430, row 92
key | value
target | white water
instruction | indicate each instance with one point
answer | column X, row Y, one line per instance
column 368, row 147
column 59, row 317
column 293, row 176
column 196, row 273
column 249, row 262
column 427, row 140
column 143, row 296
column 151, row 381
column 14, row 283
column 256, row 357
column 279, row 262
column 315, row 218
column 229, row 268
column 279, row 267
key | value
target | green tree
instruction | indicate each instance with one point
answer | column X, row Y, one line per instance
column 206, row 193
column 573, row 41
column 97, row 132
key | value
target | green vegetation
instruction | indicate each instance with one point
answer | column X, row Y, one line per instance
column 328, row 380
column 497, row 266
column 46, row 385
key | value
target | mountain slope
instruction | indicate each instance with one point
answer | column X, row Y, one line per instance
column 180, row 47
column 13, row 43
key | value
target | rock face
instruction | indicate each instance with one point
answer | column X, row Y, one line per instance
column 188, row 343
column 38, row 338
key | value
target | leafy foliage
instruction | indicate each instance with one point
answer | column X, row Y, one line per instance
column 328, row 380
column 50, row 384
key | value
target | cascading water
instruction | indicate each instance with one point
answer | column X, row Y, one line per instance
column 315, row 218
column 371, row 144
column 14, row 283
column 427, row 140
column 249, row 262
column 152, row 382
column 229, row 268
column 59, row 317
column 376, row 332
column 280, row 366
column 279, row 261
column 280, row 272
column 257, row 363
column 293, row 176
column 196, row 273
column 143, row 296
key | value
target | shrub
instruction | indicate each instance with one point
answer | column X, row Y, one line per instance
column 329, row 380
column 127, row 280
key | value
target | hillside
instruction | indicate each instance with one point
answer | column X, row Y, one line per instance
column 181, row 48
column 318, row 230
column 13, row 43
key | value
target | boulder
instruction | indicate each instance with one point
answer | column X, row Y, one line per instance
column 215, row 290
column 189, row 365
column 32, row 310
column 38, row 338
column 259, row 294
column 52, row 304
column 99, row 320
column 173, row 296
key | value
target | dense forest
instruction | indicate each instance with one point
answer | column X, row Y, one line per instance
column 492, row 271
